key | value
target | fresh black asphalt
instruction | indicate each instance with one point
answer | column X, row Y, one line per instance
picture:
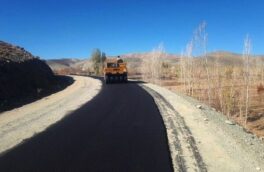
column 120, row 130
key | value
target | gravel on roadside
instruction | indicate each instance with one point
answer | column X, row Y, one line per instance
column 223, row 145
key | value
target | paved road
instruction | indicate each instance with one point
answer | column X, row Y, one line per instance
column 119, row 130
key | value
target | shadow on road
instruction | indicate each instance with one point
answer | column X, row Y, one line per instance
column 60, row 83
column 120, row 129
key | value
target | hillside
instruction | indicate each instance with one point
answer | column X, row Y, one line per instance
column 69, row 66
column 77, row 66
column 226, row 58
column 61, row 63
column 23, row 77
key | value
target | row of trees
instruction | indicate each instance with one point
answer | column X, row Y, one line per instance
column 188, row 67
column 98, row 59
column 222, row 82
column 225, row 87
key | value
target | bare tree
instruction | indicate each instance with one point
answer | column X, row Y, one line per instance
column 189, row 66
column 96, row 60
column 262, row 72
column 201, row 37
column 246, row 56
column 219, row 84
column 151, row 67
column 183, row 70
column 260, row 66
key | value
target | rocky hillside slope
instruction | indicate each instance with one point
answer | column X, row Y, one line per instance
column 22, row 75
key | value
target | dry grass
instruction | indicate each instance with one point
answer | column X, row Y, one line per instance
column 231, row 83
column 227, row 90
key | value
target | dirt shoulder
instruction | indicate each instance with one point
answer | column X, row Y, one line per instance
column 202, row 139
column 24, row 122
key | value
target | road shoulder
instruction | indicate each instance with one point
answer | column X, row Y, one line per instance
column 20, row 124
column 194, row 132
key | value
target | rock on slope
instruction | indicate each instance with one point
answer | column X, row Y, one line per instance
column 21, row 75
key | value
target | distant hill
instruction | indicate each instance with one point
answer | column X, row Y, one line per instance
column 134, row 60
column 225, row 58
column 56, row 64
column 229, row 58
column 69, row 66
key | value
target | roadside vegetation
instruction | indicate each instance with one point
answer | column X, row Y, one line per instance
column 98, row 59
column 230, row 83
column 89, row 66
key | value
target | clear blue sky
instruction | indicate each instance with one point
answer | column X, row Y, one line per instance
column 73, row 28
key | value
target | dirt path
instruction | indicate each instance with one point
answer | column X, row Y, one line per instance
column 24, row 122
column 201, row 140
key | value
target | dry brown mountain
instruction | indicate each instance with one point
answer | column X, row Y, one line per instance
column 62, row 63
column 73, row 66
column 134, row 59
column 69, row 66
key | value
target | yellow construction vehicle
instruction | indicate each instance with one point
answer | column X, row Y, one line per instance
column 115, row 70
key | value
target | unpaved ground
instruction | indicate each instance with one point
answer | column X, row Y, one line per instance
column 22, row 123
column 255, row 123
column 201, row 140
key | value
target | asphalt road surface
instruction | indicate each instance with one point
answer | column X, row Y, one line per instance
column 119, row 130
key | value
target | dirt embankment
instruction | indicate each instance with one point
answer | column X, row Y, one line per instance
column 24, row 77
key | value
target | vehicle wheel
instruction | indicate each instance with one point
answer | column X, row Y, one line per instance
column 111, row 79
column 106, row 80
column 116, row 78
column 121, row 79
